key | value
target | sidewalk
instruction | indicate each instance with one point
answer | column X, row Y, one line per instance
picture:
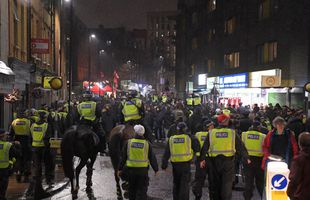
column 18, row 190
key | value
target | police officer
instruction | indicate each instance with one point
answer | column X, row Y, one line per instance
column 133, row 108
column 200, row 174
column 33, row 115
column 40, row 133
column 137, row 155
column 7, row 153
column 222, row 143
column 179, row 150
column 90, row 113
column 253, row 140
column 20, row 131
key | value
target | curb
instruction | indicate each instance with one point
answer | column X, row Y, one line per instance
column 57, row 190
column 51, row 193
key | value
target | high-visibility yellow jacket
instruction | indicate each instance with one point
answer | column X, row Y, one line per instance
column 137, row 153
column 4, row 154
column 131, row 109
column 87, row 110
column 21, row 126
column 38, row 132
column 180, row 148
column 253, row 141
column 222, row 142
column 201, row 136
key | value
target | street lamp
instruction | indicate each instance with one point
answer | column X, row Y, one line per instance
column 90, row 37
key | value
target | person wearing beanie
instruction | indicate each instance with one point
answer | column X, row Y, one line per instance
column 136, row 157
column 7, row 153
column 253, row 140
column 299, row 185
column 179, row 150
column 221, row 144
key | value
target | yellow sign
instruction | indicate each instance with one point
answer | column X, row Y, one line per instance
column 56, row 83
column 52, row 82
column 46, row 82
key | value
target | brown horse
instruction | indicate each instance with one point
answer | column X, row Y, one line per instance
column 118, row 138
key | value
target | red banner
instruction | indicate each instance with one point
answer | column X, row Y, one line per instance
column 40, row 46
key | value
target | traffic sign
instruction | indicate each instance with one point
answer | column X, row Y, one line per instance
column 279, row 182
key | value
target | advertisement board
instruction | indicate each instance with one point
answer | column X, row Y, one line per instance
column 234, row 81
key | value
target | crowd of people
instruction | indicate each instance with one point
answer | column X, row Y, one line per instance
column 219, row 139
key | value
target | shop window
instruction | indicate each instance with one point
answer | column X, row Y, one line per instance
column 267, row 52
column 211, row 65
column 231, row 60
column 211, row 34
column 230, row 25
column 264, row 9
column 211, row 5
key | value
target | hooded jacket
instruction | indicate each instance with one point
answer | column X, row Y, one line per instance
column 299, row 186
column 269, row 144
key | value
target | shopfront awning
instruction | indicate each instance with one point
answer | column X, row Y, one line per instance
column 4, row 69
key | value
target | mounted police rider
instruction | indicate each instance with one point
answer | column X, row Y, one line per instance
column 89, row 114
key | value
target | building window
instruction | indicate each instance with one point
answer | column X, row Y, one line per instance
column 211, row 5
column 16, row 20
column 22, row 27
column 264, row 9
column 231, row 60
column 194, row 19
column 156, row 34
column 194, row 43
column 162, row 26
column 211, row 34
column 157, row 26
column 230, row 25
column 267, row 52
column 211, row 64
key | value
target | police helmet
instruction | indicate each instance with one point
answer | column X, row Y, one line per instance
column 133, row 93
column 181, row 127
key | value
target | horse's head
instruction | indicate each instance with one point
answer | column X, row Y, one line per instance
column 128, row 132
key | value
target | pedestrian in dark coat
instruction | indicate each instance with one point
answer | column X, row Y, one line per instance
column 299, row 186
column 280, row 142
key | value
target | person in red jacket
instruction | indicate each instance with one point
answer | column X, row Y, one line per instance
column 280, row 142
column 299, row 186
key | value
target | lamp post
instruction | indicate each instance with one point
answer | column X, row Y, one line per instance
column 90, row 38
column 69, row 71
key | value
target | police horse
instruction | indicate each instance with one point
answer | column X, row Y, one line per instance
column 118, row 137
column 82, row 142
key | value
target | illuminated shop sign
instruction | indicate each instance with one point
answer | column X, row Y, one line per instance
column 234, row 81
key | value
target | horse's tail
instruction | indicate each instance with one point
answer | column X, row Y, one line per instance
column 67, row 153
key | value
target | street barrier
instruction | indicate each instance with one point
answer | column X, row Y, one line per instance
column 277, row 180
column 55, row 144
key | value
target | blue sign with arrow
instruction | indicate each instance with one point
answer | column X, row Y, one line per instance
column 279, row 181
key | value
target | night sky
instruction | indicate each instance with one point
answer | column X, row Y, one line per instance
column 115, row 13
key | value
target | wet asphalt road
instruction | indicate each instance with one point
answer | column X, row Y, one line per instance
column 104, row 184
